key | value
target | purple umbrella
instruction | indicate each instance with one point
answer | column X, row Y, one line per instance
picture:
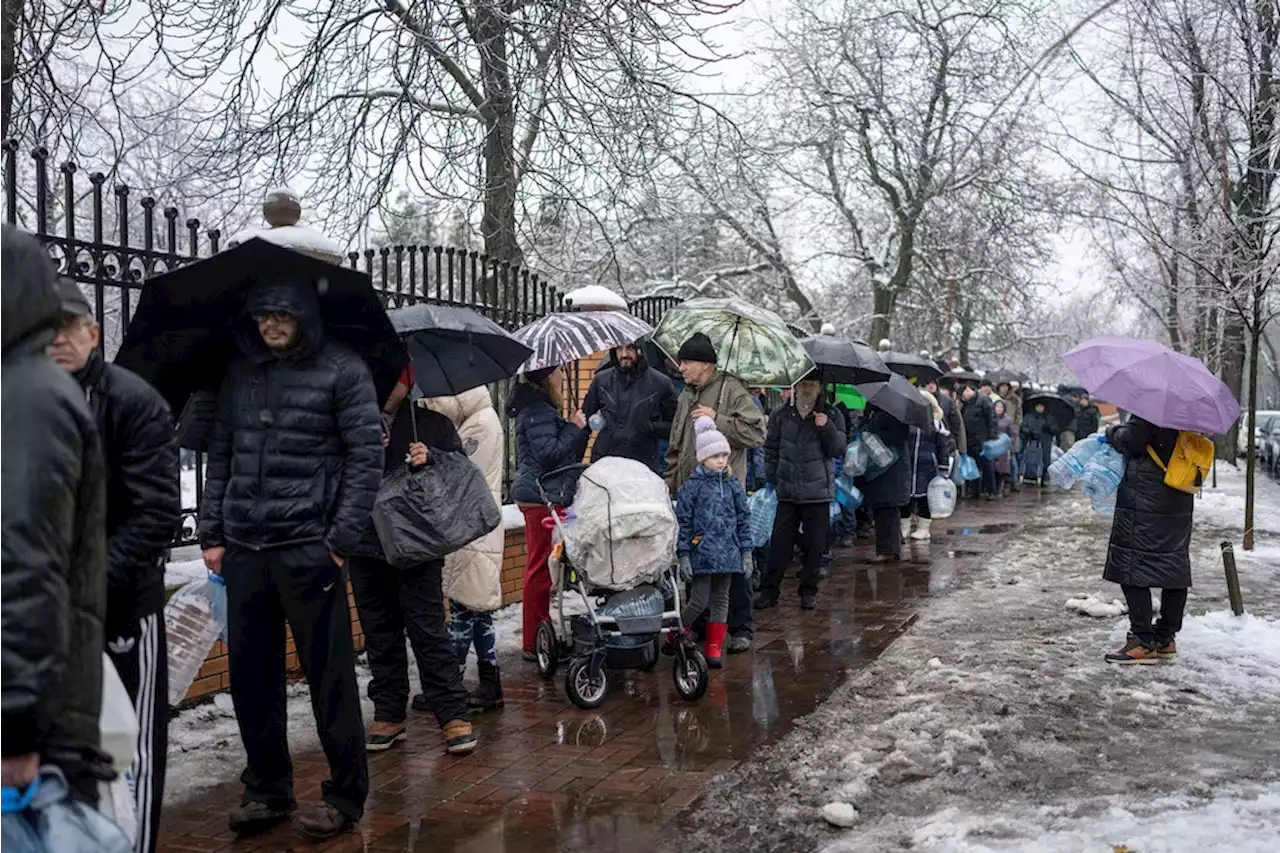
column 1155, row 383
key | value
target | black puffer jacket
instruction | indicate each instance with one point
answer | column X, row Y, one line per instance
column 799, row 456
column 144, row 500
column 1151, row 532
column 1087, row 420
column 545, row 441
column 54, row 563
column 637, row 405
column 296, row 452
column 979, row 422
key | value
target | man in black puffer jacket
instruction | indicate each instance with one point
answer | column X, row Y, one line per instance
column 636, row 404
column 805, row 438
column 54, row 562
column 979, row 426
column 144, row 505
column 295, row 462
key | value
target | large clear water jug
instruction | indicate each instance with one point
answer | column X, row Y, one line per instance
column 191, row 627
column 941, row 497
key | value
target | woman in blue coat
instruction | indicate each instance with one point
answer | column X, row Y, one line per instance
column 714, row 541
column 545, row 441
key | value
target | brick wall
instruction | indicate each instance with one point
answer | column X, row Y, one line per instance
column 213, row 673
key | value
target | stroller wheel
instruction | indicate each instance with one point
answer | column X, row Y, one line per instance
column 546, row 647
column 584, row 690
column 690, row 674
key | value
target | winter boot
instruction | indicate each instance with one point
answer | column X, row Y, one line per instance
column 906, row 529
column 1134, row 652
column 715, row 642
column 1166, row 651
column 383, row 735
column 488, row 695
column 459, row 738
column 922, row 530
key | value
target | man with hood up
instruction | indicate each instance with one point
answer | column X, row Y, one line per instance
column 294, row 466
column 634, row 403
column 54, row 561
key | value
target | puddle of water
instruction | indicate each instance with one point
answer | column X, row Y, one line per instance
column 984, row 529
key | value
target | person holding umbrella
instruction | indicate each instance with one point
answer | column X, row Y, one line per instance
column 545, row 442
column 890, row 491
column 805, row 438
column 294, row 464
column 397, row 601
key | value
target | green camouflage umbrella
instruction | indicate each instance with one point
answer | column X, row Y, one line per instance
column 751, row 343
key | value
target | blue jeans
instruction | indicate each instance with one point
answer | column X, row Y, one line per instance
column 468, row 628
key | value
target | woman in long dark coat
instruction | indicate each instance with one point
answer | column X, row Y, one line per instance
column 929, row 452
column 1150, row 542
column 1037, row 444
column 889, row 492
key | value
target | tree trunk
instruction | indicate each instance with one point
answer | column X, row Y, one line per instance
column 1233, row 356
column 12, row 16
column 498, row 221
column 883, row 300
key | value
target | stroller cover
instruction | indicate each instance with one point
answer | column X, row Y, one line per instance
column 623, row 531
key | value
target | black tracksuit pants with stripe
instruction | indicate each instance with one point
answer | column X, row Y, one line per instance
column 141, row 658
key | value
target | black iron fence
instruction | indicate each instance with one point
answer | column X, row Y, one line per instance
column 111, row 240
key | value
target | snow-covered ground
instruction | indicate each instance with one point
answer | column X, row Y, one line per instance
column 995, row 725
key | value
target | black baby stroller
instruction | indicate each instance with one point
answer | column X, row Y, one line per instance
column 615, row 549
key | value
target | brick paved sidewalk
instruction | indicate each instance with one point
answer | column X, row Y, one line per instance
column 548, row 776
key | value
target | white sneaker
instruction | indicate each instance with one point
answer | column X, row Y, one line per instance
column 922, row 530
column 906, row 528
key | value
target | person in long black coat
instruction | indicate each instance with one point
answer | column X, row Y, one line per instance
column 1150, row 542
column 1037, row 444
column 887, row 493
column 980, row 425
column 395, row 602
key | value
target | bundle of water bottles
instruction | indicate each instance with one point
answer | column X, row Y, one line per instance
column 1095, row 467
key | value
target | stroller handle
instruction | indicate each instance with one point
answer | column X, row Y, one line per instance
column 565, row 469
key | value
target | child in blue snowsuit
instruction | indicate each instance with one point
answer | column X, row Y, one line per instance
column 714, row 541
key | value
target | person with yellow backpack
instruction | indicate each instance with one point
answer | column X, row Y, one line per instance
column 1151, row 532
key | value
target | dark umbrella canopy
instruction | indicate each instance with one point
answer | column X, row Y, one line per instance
column 1073, row 390
column 456, row 349
column 845, row 362
column 912, row 366
column 1060, row 412
column 899, row 399
column 181, row 338
column 962, row 376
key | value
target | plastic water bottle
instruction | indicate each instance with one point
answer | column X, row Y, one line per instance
column 1070, row 467
column 1102, row 475
column 191, row 628
column 596, row 422
column 848, row 495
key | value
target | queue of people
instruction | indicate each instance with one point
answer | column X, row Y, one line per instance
column 302, row 445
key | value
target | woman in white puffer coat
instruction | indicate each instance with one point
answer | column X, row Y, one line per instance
column 473, row 575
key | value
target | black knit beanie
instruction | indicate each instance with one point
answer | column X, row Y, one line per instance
column 698, row 348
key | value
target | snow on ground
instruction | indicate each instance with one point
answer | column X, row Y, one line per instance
column 994, row 723
column 204, row 741
column 1223, row 506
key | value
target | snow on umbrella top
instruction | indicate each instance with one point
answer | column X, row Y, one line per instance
column 751, row 343
column 282, row 209
column 1148, row 379
column 563, row 337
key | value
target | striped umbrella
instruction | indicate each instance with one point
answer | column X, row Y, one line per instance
column 562, row 337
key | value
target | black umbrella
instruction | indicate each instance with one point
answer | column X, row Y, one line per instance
column 456, row 349
column 181, row 338
column 900, row 400
column 1061, row 413
column 911, row 366
column 845, row 362
column 1072, row 390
